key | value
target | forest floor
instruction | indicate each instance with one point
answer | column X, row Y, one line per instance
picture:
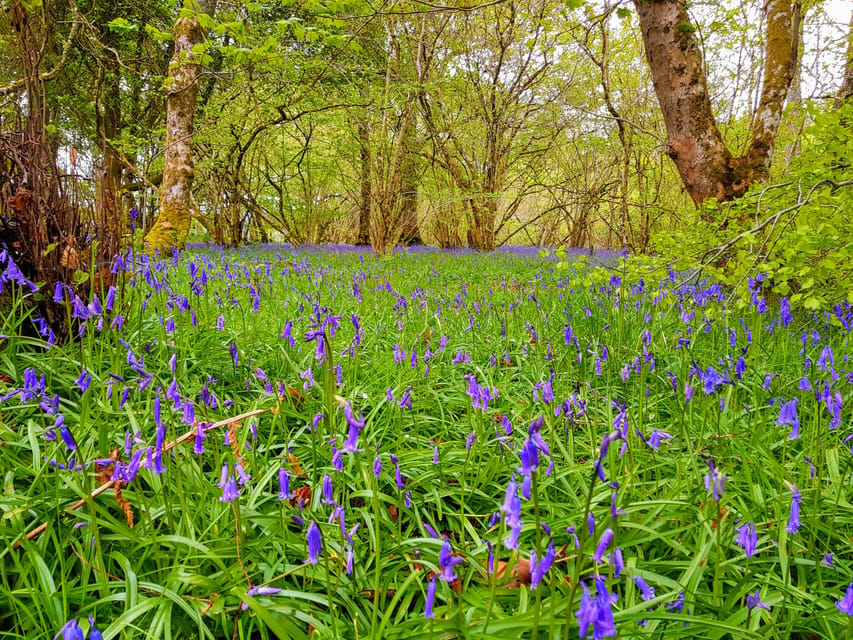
column 284, row 442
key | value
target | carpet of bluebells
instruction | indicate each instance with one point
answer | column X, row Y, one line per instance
column 290, row 442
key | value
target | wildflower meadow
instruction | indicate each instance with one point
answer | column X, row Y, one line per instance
column 286, row 442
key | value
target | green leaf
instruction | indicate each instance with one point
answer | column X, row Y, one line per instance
column 122, row 26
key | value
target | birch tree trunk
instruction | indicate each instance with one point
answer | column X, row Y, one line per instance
column 172, row 225
column 706, row 165
column 845, row 91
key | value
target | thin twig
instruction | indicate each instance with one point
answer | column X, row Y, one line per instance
column 166, row 447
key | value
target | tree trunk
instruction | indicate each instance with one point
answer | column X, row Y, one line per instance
column 795, row 93
column 108, row 119
column 706, row 166
column 176, row 204
column 845, row 91
column 409, row 231
column 364, row 201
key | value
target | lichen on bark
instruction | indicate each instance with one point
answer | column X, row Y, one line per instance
column 172, row 225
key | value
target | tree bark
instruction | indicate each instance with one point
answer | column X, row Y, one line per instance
column 845, row 91
column 409, row 230
column 366, row 194
column 176, row 204
column 706, row 165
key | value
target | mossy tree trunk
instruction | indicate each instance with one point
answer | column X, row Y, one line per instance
column 172, row 225
column 706, row 165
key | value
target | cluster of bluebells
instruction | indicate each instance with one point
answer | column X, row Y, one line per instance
column 505, row 352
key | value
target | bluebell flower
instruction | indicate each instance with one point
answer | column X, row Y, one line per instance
column 677, row 605
column 753, row 600
column 711, row 380
column 446, row 562
column 67, row 438
column 647, row 592
column 534, row 432
column 603, row 543
column 715, row 481
column 747, row 538
column 83, row 381
column 315, row 543
column 94, row 632
column 228, row 484
column 70, row 631
column 845, row 605
column 785, row 312
column 406, row 399
column 283, row 485
column 287, row 333
column 788, row 415
column 511, row 509
column 794, row 518
column 655, row 438
column 328, row 490
column 430, row 599
column 596, row 614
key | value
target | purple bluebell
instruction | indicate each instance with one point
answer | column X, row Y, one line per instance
column 715, row 481
column 595, row 614
column 377, row 466
column 70, row 631
column 617, row 562
column 511, row 509
column 753, row 600
column 677, row 605
column 283, row 485
column 430, row 599
column 228, row 485
column 529, row 457
column 198, row 446
column 328, row 490
column 94, row 632
column 711, row 380
column 70, row 443
column 845, row 605
column 315, row 543
column 656, row 436
column 647, row 592
column 525, row 486
column 446, row 562
column 603, row 544
column 788, row 416
column 747, row 538
column 793, row 525
column 534, row 432
column 84, row 381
